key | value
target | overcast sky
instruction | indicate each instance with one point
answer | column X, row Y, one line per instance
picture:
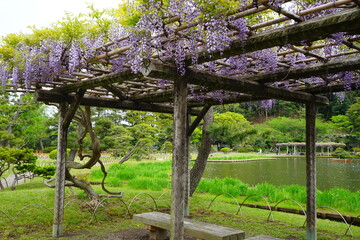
column 17, row 15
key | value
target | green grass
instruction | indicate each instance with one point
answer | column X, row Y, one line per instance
column 36, row 202
column 156, row 176
column 144, row 182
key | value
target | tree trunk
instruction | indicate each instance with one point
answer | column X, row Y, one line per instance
column 72, row 154
column 205, row 148
column 130, row 154
column 82, row 185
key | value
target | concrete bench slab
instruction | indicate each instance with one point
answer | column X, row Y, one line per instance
column 200, row 230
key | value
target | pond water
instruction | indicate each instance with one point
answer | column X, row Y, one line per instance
column 286, row 171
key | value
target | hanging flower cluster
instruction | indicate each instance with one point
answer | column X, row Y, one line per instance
column 176, row 31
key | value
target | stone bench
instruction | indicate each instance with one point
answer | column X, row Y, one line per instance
column 158, row 223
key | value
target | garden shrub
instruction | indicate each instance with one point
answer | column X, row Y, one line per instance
column 53, row 154
column 49, row 149
column 225, row 150
column 340, row 153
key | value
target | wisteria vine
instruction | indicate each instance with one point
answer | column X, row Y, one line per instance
column 155, row 35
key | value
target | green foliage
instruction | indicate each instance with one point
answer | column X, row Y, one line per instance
column 23, row 160
column 354, row 116
column 153, row 176
column 155, row 184
column 230, row 128
column 294, row 192
column 356, row 149
column 53, row 154
column 340, row 153
column 45, row 172
column 342, row 122
column 267, row 190
column 127, row 13
column 244, row 149
column 167, row 147
column 225, row 150
column 217, row 7
column 49, row 149
column 291, row 129
column 221, row 186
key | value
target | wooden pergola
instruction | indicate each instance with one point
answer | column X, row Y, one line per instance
column 96, row 86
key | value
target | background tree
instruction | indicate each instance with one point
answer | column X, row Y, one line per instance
column 354, row 116
column 230, row 128
column 22, row 161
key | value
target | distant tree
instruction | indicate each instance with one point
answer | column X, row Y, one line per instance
column 266, row 137
column 230, row 128
column 22, row 122
column 293, row 129
column 354, row 116
column 342, row 123
column 22, row 161
column 339, row 104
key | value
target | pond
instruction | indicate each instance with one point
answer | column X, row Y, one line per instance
column 287, row 171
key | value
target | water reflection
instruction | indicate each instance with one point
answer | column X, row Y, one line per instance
column 286, row 171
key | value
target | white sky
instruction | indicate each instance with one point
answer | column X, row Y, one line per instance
column 17, row 15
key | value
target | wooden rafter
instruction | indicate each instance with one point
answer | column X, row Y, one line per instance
column 53, row 97
column 98, row 81
column 314, row 29
column 219, row 82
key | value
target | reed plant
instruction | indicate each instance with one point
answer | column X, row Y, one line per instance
column 156, row 176
column 231, row 186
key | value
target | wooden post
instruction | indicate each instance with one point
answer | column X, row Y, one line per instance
column 311, row 110
column 60, row 172
column 187, row 169
column 180, row 160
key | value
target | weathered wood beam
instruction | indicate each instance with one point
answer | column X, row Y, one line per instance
column 254, row 88
column 107, row 79
column 330, row 88
column 116, row 91
column 192, row 102
column 314, row 29
column 284, row 12
column 162, row 96
column 219, row 82
column 52, row 97
column 60, row 172
column 333, row 66
column 311, row 110
column 198, row 119
column 180, row 161
column 73, row 108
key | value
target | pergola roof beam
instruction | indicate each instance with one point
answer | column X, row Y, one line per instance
column 310, row 30
column 110, row 78
column 219, row 82
column 303, row 13
column 53, row 97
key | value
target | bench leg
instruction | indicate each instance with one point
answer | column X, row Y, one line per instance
column 156, row 233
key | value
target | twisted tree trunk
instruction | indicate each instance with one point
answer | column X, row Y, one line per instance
column 205, row 148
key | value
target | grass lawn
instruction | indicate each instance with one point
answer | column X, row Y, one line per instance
column 26, row 213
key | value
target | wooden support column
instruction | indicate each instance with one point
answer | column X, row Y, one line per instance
column 60, row 172
column 187, row 169
column 311, row 110
column 180, row 160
